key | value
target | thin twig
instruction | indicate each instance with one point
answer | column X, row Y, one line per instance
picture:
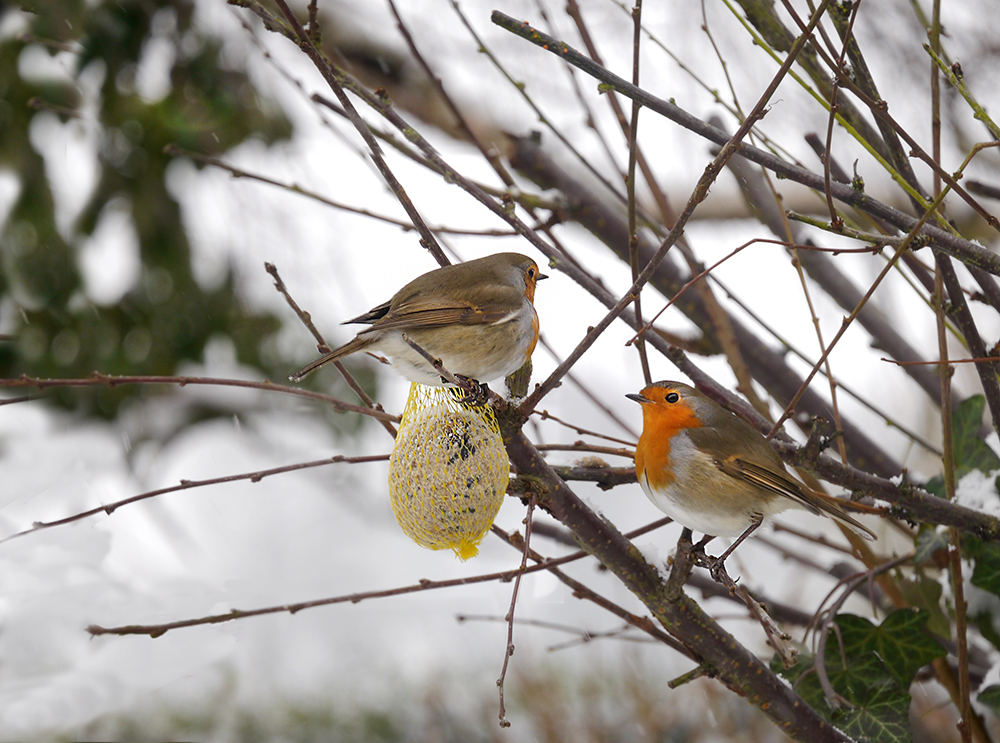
column 938, row 362
column 970, row 332
column 583, row 592
column 633, row 151
column 509, row 650
column 156, row 630
column 542, row 118
column 960, row 248
column 941, row 284
column 330, row 75
column 850, row 318
column 175, row 150
column 583, row 636
column 464, row 384
column 106, row 380
column 545, row 415
column 573, row 11
column 256, row 476
column 489, row 153
column 819, row 539
column 306, row 320
column 587, row 447
column 835, row 219
column 595, row 399
column 700, row 193
column 778, row 638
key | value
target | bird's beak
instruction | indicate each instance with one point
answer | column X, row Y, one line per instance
column 541, row 276
column 637, row 397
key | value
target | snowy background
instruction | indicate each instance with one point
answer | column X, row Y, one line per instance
column 330, row 531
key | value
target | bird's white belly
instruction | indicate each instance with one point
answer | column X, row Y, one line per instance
column 483, row 353
column 701, row 496
column 716, row 524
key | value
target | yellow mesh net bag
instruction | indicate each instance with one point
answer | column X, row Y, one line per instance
column 448, row 470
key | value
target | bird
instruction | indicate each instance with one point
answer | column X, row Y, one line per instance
column 714, row 473
column 478, row 318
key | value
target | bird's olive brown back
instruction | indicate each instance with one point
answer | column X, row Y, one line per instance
column 725, row 434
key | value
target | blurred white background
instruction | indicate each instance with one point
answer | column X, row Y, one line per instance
column 330, row 531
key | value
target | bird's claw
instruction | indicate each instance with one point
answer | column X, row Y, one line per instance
column 476, row 393
column 717, row 569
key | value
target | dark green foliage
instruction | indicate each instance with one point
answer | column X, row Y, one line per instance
column 990, row 697
column 871, row 667
column 971, row 452
column 167, row 318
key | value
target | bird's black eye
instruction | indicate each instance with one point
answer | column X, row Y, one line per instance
column 531, row 273
column 672, row 397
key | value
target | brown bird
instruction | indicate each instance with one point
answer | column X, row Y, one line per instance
column 477, row 317
column 711, row 471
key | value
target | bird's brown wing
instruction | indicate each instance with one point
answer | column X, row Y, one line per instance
column 730, row 434
column 372, row 315
column 412, row 318
column 767, row 479
column 717, row 441
column 778, row 483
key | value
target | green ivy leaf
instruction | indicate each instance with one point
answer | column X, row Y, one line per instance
column 863, row 670
column 971, row 452
column 986, row 574
column 925, row 592
column 804, row 680
column 878, row 715
column 990, row 697
column 883, row 718
column 871, row 666
column 901, row 643
column 929, row 541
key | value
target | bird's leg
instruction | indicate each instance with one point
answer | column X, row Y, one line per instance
column 685, row 543
column 697, row 551
column 690, row 554
column 718, row 567
column 700, row 547
column 477, row 393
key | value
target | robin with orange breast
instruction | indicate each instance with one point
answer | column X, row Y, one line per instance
column 712, row 472
column 478, row 318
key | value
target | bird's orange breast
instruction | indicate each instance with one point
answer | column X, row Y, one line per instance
column 534, row 333
column 660, row 423
column 529, row 291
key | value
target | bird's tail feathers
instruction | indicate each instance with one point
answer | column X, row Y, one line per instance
column 352, row 346
column 832, row 508
column 809, row 499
